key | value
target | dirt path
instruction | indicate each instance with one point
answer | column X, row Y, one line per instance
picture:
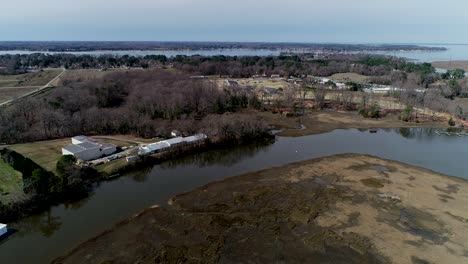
column 340, row 209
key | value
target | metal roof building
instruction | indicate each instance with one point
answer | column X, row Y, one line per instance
column 195, row 138
column 88, row 149
column 175, row 141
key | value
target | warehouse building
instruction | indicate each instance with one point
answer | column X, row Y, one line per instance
column 85, row 148
column 169, row 144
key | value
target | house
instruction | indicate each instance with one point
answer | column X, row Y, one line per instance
column 3, row 229
column 85, row 148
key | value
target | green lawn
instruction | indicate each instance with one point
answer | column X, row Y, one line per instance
column 10, row 179
column 44, row 153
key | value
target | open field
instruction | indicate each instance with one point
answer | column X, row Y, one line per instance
column 11, row 93
column 10, row 179
column 44, row 153
column 15, row 86
column 451, row 65
column 346, row 208
column 349, row 77
column 40, row 78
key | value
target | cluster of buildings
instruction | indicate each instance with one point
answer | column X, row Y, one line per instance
column 169, row 144
column 85, row 148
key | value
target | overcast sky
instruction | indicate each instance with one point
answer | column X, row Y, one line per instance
column 376, row 21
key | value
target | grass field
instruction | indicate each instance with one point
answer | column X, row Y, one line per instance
column 10, row 179
column 40, row 78
column 44, row 153
column 10, row 93
column 349, row 77
column 12, row 86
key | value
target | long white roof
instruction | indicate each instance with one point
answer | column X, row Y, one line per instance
column 195, row 138
column 158, row 145
column 2, row 226
column 174, row 141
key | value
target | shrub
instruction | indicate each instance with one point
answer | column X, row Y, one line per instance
column 451, row 122
column 407, row 113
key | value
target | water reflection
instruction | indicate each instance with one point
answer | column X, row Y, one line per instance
column 225, row 157
column 58, row 229
column 45, row 223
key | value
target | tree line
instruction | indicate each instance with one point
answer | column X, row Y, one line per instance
column 144, row 103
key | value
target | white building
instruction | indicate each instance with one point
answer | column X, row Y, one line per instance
column 195, row 139
column 85, row 148
column 80, row 139
column 3, row 229
column 175, row 142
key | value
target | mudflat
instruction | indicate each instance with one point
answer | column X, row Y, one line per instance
column 340, row 209
column 452, row 65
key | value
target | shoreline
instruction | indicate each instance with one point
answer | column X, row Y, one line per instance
column 317, row 122
column 203, row 198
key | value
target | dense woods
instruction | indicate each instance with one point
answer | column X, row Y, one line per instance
column 144, row 103
column 382, row 69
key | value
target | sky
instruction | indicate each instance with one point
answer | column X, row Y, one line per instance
column 345, row 21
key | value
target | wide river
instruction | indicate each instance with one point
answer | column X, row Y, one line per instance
column 42, row 237
column 453, row 52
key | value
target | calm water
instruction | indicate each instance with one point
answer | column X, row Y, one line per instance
column 167, row 53
column 454, row 52
column 52, row 233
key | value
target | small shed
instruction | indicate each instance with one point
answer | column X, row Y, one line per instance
column 3, row 229
column 176, row 133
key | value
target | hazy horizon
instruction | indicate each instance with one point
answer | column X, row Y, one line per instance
column 336, row 21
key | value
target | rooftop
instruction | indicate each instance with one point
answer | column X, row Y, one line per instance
column 175, row 140
column 81, row 138
column 81, row 147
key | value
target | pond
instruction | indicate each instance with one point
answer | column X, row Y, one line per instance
column 42, row 237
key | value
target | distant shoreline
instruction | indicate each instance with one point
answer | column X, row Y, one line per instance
column 89, row 46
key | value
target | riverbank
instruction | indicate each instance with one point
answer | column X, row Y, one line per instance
column 346, row 208
column 318, row 122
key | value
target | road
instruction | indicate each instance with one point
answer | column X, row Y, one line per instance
column 41, row 88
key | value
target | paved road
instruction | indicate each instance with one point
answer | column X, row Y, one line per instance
column 35, row 91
